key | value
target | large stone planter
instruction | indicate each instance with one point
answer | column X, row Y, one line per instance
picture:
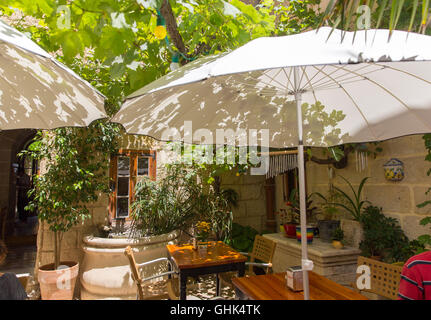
column 105, row 268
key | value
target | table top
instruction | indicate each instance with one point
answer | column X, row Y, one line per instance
column 274, row 287
column 217, row 253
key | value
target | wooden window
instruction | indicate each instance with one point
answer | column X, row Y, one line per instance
column 127, row 167
column 290, row 182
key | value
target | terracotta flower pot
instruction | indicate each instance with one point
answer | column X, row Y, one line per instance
column 58, row 284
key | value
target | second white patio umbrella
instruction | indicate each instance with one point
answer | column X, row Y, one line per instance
column 306, row 89
column 37, row 91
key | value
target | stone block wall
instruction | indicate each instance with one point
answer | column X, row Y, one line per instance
column 251, row 209
column 398, row 199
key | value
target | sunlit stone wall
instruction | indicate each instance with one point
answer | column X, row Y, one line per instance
column 398, row 199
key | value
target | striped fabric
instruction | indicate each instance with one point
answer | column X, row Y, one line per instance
column 415, row 283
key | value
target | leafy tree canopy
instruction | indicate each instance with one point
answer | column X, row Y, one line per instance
column 112, row 43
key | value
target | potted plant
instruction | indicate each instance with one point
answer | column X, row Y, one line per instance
column 328, row 224
column 73, row 162
column 282, row 219
column 288, row 221
column 353, row 205
column 383, row 237
column 337, row 238
column 295, row 211
column 161, row 210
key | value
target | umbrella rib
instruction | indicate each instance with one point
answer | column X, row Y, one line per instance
column 396, row 98
column 302, row 76
column 288, row 78
column 402, row 71
column 273, row 78
column 314, row 77
column 311, row 85
column 351, row 77
column 354, row 103
column 340, row 76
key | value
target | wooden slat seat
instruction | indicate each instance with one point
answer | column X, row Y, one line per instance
column 260, row 257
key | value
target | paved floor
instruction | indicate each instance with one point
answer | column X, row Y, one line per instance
column 206, row 289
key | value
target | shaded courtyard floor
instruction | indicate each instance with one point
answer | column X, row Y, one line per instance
column 21, row 260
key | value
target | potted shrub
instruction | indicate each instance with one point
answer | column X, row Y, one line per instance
column 160, row 211
column 337, row 238
column 328, row 224
column 294, row 210
column 163, row 212
column 73, row 161
column 383, row 237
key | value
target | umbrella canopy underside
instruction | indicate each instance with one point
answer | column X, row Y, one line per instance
column 38, row 92
column 366, row 90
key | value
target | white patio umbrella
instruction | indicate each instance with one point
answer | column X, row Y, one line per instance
column 38, row 92
column 363, row 89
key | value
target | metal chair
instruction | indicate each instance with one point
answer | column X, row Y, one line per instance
column 260, row 259
column 171, row 284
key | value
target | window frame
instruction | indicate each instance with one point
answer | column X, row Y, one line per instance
column 133, row 155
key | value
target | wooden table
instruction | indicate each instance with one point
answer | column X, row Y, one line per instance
column 218, row 257
column 274, row 287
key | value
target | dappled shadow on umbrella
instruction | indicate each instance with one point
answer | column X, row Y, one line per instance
column 232, row 103
column 35, row 92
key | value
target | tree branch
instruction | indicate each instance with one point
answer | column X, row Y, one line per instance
column 172, row 27
column 346, row 150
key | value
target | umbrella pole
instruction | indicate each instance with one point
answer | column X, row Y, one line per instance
column 302, row 200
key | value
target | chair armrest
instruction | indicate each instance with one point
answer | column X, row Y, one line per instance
column 159, row 275
column 156, row 260
column 259, row 264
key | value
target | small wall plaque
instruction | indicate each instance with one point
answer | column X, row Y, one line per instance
column 394, row 170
